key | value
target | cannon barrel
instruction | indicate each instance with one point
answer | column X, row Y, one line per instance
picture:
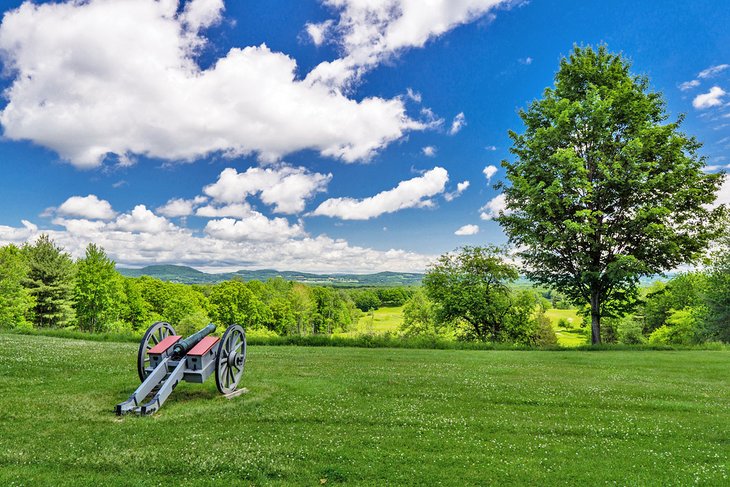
column 184, row 346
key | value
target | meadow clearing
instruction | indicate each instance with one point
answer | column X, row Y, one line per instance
column 389, row 319
column 369, row 417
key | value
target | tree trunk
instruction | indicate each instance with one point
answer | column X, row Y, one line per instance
column 595, row 318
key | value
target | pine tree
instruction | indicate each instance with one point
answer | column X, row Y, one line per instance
column 50, row 282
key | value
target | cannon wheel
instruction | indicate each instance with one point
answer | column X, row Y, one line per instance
column 154, row 335
column 231, row 359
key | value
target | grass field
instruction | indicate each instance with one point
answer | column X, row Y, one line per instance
column 389, row 319
column 568, row 337
column 369, row 417
column 380, row 321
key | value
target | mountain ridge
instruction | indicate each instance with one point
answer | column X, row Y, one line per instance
column 189, row 275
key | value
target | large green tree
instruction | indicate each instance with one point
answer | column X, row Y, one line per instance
column 604, row 189
column 98, row 291
column 50, row 281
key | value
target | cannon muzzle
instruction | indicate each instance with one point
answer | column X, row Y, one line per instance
column 184, row 346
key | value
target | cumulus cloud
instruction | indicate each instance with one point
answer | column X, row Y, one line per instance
column 467, row 230
column 285, row 187
column 104, row 77
column 236, row 210
column 429, row 151
column 180, row 246
column 457, row 124
column 710, row 99
column 90, row 207
column 493, row 208
column 177, row 207
column 370, row 32
column 199, row 14
column 253, row 227
column 489, row 172
column 413, row 193
column 140, row 219
column 713, row 71
column 460, row 188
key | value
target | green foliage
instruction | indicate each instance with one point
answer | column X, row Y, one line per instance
column 630, row 331
column 191, row 323
column 233, row 303
column 604, row 190
column 134, row 309
column 419, row 317
column 50, row 282
column 681, row 328
column 471, row 287
column 98, row 291
column 546, row 336
column 366, row 299
column 718, row 295
column 16, row 302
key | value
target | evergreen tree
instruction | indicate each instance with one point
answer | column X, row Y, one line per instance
column 50, row 282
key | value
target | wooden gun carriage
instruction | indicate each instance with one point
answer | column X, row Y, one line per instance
column 164, row 359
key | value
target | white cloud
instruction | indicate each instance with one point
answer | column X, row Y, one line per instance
column 460, row 188
column 489, row 172
column 526, row 61
column 140, row 219
column 467, row 230
column 177, row 207
column 318, row 32
column 713, row 71
column 199, row 14
column 429, row 151
column 688, row 85
column 236, row 210
column 413, row 193
column 413, row 95
column 254, row 227
column 457, row 124
column 90, row 207
column 287, row 188
column 104, row 77
column 491, row 148
column 709, row 99
column 493, row 208
column 372, row 31
column 180, row 246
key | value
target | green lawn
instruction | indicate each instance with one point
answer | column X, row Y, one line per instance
column 380, row 321
column 369, row 417
column 572, row 336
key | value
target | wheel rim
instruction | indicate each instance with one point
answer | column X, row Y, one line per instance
column 154, row 335
column 231, row 359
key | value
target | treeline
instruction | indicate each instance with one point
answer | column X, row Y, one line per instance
column 470, row 296
column 41, row 286
column 690, row 308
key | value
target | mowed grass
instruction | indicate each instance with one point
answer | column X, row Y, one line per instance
column 369, row 417
column 379, row 321
column 572, row 336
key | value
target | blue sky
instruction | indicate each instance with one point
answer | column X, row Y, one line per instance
column 331, row 135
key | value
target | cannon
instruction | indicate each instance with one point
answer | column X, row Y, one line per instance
column 164, row 359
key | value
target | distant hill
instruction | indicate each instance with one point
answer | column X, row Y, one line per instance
column 188, row 275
